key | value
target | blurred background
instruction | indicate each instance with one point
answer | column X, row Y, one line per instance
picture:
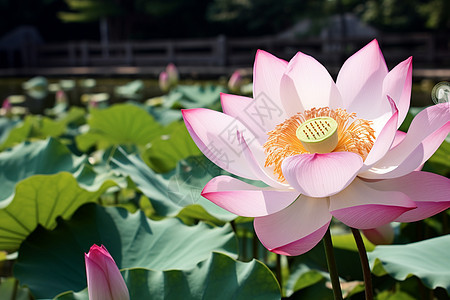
column 216, row 33
column 210, row 39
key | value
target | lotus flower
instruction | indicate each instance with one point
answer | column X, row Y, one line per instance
column 172, row 73
column 235, row 81
column 103, row 277
column 61, row 97
column 325, row 149
column 6, row 104
column 164, row 83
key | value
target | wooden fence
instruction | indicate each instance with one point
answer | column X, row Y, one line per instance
column 427, row 49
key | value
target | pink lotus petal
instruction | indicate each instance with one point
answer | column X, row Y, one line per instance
column 384, row 139
column 360, row 82
column 360, row 206
column 321, row 175
column 103, row 276
column 383, row 235
column 240, row 108
column 399, row 136
column 267, row 73
column 97, row 281
column 430, row 192
column 307, row 84
column 397, row 85
column 426, row 132
column 215, row 134
column 295, row 229
column 245, row 199
column 256, row 158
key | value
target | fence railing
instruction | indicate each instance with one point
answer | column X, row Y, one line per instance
column 428, row 49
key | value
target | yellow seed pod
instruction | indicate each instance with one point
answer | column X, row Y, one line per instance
column 318, row 135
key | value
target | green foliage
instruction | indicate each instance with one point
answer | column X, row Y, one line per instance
column 175, row 193
column 89, row 10
column 193, row 96
column 6, row 125
column 121, row 124
column 439, row 163
column 172, row 145
column 426, row 259
column 263, row 17
column 40, row 200
column 9, row 290
column 397, row 15
column 51, row 262
column 40, row 127
column 28, row 159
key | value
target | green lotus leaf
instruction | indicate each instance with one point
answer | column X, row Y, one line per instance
column 52, row 262
column 40, row 200
column 175, row 193
column 439, row 163
column 427, row 260
column 347, row 241
column 130, row 90
column 218, row 277
column 40, row 127
column 195, row 96
column 172, row 145
column 6, row 125
column 36, row 87
column 32, row 158
column 163, row 115
column 119, row 124
column 9, row 290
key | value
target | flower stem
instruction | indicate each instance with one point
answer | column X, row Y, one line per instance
column 364, row 263
column 332, row 269
column 278, row 271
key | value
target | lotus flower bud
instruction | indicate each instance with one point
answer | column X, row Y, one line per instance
column 235, row 82
column 6, row 104
column 61, row 97
column 383, row 235
column 103, row 277
column 172, row 73
column 164, row 83
column 6, row 109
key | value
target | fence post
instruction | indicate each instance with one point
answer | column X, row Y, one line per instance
column 84, row 53
column 128, row 53
column 72, row 54
column 221, row 51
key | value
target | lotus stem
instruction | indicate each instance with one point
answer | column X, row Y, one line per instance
column 332, row 269
column 278, row 271
column 364, row 263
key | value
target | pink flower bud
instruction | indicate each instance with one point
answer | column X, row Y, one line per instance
column 164, row 83
column 383, row 235
column 235, row 82
column 61, row 97
column 172, row 73
column 103, row 277
column 6, row 105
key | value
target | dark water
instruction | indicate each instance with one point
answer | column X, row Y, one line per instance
column 13, row 86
